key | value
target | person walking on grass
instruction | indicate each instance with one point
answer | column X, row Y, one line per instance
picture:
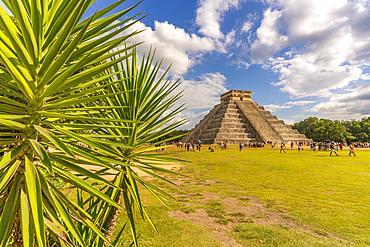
column 282, row 146
column 332, row 149
column 299, row 147
column 352, row 149
column 314, row 147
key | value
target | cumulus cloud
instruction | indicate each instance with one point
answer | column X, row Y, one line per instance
column 210, row 15
column 172, row 44
column 274, row 108
column 268, row 38
column 287, row 105
column 328, row 43
column 199, row 96
column 191, row 117
column 288, row 121
column 352, row 104
column 247, row 25
column 203, row 92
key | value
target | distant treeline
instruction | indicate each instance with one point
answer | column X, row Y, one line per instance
column 343, row 131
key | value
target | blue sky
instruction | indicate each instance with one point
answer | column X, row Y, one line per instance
column 300, row 58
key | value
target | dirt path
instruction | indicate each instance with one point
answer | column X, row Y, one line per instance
column 244, row 209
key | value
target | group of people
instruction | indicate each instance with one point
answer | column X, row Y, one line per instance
column 332, row 146
column 191, row 147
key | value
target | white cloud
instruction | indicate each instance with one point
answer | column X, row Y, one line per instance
column 288, row 121
column 210, row 15
column 300, row 103
column 352, row 104
column 287, row 105
column 200, row 94
column 191, row 117
column 172, row 44
column 241, row 64
column 204, row 92
column 274, row 108
column 268, row 38
column 247, row 25
column 328, row 42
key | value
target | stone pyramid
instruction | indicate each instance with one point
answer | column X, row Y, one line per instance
column 238, row 119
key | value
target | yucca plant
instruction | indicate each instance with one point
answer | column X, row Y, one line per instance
column 141, row 94
column 51, row 61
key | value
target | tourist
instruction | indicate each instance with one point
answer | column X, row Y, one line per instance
column 291, row 145
column 299, row 148
column 282, row 146
column 240, row 146
column 352, row 149
column 222, row 146
column 332, row 149
column 314, row 147
column 211, row 149
column 341, row 146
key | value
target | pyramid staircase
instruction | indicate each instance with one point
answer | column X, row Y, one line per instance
column 225, row 123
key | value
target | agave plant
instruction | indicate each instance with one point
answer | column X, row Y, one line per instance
column 141, row 94
column 51, row 61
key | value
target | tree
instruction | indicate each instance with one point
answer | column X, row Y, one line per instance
column 326, row 129
column 56, row 67
column 306, row 126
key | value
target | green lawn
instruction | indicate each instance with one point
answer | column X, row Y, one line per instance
column 328, row 196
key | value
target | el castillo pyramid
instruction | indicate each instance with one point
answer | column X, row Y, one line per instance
column 238, row 119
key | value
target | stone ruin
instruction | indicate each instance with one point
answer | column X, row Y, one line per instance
column 238, row 119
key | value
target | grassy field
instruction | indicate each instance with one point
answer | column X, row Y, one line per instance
column 260, row 197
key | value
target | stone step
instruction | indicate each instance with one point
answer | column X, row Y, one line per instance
column 277, row 122
column 227, row 130
column 222, row 125
column 235, row 140
column 234, row 135
column 228, row 115
column 263, row 128
column 218, row 122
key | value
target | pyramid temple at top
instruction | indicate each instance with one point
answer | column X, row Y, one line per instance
column 238, row 119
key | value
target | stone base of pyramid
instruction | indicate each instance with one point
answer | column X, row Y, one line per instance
column 237, row 119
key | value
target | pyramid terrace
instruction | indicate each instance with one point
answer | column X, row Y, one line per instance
column 238, row 119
